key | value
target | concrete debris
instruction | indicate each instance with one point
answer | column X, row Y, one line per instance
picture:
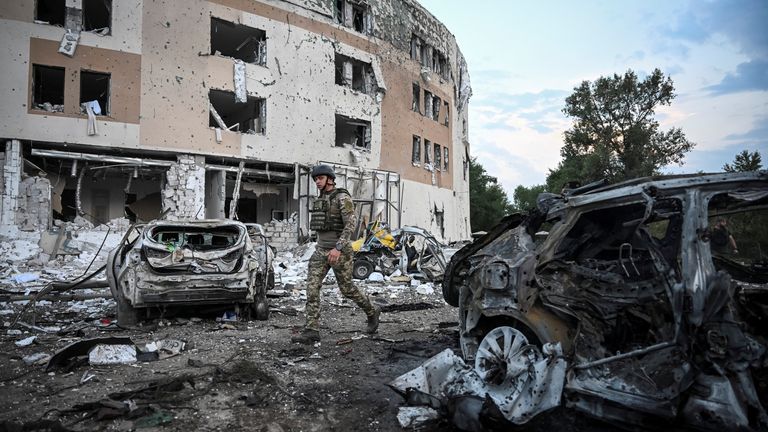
column 425, row 289
column 241, row 93
column 36, row 359
column 112, row 355
column 47, row 106
column 416, row 417
column 26, row 341
column 69, row 42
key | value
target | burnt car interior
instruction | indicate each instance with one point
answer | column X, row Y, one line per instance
column 196, row 239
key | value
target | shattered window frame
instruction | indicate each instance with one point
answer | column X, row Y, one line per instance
column 428, row 103
column 362, row 132
column 253, row 36
column 438, row 157
column 93, row 4
column 354, row 74
column 445, row 159
column 427, row 153
column 219, row 106
column 436, row 103
column 38, row 79
column 355, row 15
column 104, row 99
column 416, row 104
column 51, row 8
column 416, row 150
column 447, row 109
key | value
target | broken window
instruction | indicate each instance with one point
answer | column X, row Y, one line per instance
column 94, row 87
column 352, row 132
column 440, row 221
column 426, row 56
column 48, row 88
column 238, row 41
column 51, row 11
column 737, row 236
column 439, row 64
column 446, row 108
column 416, row 105
column 354, row 73
column 435, row 108
column 416, row 151
column 438, row 154
column 97, row 15
column 427, row 103
column 354, row 14
column 416, row 46
column 445, row 159
column 427, row 152
column 225, row 113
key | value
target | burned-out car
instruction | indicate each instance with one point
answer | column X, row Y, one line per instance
column 413, row 250
column 625, row 308
column 164, row 264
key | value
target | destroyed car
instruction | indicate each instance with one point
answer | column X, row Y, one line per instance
column 190, row 263
column 387, row 252
column 624, row 309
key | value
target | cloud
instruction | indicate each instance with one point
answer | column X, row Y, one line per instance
column 756, row 137
column 751, row 75
column 743, row 22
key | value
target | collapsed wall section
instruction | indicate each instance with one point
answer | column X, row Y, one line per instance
column 183, row 194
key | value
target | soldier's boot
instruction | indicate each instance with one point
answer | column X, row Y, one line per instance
column 373, row 320
column 306, row 337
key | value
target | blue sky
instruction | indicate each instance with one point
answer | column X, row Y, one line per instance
column 525, row 58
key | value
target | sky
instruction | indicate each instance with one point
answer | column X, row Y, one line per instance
column 526, row 57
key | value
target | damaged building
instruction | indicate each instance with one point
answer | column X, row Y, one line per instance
column 220, row 108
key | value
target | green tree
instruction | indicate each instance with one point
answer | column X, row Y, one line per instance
column 615, row 134
column 488, row 202
column 524, row 198
column 745, row 161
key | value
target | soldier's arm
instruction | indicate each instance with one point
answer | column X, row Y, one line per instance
column 347, row 208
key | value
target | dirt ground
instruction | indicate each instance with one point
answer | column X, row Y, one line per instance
column 244, row 375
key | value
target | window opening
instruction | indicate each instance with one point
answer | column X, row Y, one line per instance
column 445, row 159
column 416, row 150
column 435, row 108
column 438, row 155
column 427, row 151
column 249, row 117
column 446, row 108
column 416, row 104
column 94, row 86
column 354, row 73
column 97, row 15
column 238, row 41
column 48, row 88
column 352, row 132
column 427, row 103
column 52, row 12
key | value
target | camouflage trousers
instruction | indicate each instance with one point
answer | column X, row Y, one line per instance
column 318, row 268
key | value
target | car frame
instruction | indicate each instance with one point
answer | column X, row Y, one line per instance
column 190, row 263
column 649, row 326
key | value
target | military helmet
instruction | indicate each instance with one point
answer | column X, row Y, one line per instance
column 325, row 170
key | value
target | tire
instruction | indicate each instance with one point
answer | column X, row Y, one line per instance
column 362, row 269
column 450, row 294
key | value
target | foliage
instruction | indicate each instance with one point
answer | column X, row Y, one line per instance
column 488, row 202
column 524, row 198
column 615, row 134
column 745, row 161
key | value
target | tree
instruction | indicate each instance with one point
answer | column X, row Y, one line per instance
column 524, row 199
column 615, row 134
column 488, row 202
column 745, row 161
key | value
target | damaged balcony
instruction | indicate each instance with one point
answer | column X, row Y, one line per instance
column 238, row 41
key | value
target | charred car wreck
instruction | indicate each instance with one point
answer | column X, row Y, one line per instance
column 190, row 263
column 625, row 311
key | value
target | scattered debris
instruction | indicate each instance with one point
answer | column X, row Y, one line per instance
column 112, row 354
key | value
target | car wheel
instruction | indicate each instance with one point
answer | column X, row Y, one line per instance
column 362, row 269
column 504, row 357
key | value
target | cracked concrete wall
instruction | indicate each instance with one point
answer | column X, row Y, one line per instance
column 12, row 170
column 183, row 194
column 34, row 212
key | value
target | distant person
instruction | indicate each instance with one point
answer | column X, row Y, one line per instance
column 411, row 254
column 721, row 239
column 333, row 218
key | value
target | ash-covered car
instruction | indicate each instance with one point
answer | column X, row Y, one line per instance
column 619, row 300
column 164, row 264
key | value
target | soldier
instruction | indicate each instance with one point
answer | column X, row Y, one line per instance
column 333, row 218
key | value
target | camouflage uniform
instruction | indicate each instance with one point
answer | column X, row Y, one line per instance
column 339, row 202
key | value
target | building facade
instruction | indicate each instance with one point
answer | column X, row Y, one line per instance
column 219, row 108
